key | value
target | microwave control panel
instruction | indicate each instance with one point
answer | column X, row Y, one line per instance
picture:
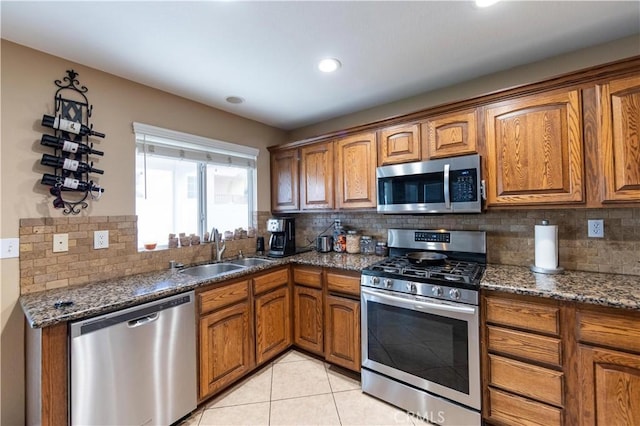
column 464, row 185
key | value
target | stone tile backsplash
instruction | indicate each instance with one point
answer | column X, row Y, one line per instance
column 510, row 234
column 509, row 241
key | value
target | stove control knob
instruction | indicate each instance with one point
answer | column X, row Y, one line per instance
column 411, row 287
column 454, row 293
column 437, row 291
column 388, row 283
column 375, row 280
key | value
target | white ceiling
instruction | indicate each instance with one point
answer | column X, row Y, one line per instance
column 266, row 51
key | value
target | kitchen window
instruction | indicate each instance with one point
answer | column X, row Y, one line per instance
column 187, row 183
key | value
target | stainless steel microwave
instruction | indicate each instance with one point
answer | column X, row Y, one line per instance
column 450, row 185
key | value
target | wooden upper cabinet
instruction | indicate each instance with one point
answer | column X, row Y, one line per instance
column 284, row 180
column 620, row 137
column 451, row 134
column 356, row 171
column 316, row 176
column 535, row 151
column 399, row 144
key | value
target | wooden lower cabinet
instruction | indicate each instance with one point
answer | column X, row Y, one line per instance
column 273, row 323
column 226, row 347
column 342, row 332
column 307, row 319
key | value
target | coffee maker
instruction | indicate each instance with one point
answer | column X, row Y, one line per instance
column 283, row 236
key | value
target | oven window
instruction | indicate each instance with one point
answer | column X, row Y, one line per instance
column 429, row 346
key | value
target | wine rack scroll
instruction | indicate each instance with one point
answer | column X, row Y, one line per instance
column 71, row 183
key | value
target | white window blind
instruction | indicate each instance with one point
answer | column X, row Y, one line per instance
column 153, row 140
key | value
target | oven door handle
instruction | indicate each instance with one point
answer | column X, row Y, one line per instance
column 422, row 304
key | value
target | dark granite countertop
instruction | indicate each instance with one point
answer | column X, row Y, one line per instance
column 107, row 296
column 613, row 290
column 620, row 291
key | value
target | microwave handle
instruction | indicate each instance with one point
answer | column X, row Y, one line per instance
column 447, row 196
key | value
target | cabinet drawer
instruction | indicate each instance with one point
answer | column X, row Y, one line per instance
column 609, row 330
column 343, row 283
column 525, row 379
column 311, row 277
column 222, row 296
column 525, row 315
column 514, row 410
column 533, row 347
column 271, row 280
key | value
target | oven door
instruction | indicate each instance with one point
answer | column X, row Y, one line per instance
column 427, row 343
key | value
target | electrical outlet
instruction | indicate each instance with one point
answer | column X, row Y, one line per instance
column 100, row 239
column 10, row 247
column 595, row 228
column 60, row 243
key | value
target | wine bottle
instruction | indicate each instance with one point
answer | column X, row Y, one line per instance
column 69, row 183
column 68, row 164
column 69, row 126
column 68, row 146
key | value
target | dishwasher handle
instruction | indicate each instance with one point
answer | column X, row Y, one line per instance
column 142, row 320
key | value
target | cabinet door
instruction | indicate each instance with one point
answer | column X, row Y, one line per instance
column 225, row 347
column 342, row 332
column 316, row 176
column 534, row 150
column 399, row 144
column 450, row 134
column 609, row 387
column 307, row 319
column 273, row 329
column 356, row 171
column 620, row 136
column 284, row 180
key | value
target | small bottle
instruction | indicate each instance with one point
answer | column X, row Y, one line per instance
column 68, row 164
column 69, row 126
column 381, row 248
column 353, row 242
column 68, row 146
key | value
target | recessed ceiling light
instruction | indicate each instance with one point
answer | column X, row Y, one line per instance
column 486, row 3
column 329, row 65
column 235, row 100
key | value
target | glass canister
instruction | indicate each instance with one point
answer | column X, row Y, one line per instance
column 367, row 244
column 339, row 239
column 353, row 242
column 381, row 248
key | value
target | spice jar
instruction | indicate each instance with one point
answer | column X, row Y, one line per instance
column 353, row 242
column 367, row 245
column 381, row 248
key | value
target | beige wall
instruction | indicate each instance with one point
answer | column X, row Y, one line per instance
column 27, row 92
column 609, row 52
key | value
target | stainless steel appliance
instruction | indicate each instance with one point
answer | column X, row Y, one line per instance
column 450, row 185
column 283, row 236
column 420, row 324
column 136, row 366
column 324, row 244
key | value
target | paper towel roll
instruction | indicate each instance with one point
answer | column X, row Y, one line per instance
column 546, row 246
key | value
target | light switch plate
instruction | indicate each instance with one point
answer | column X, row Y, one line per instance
column 9, row 247
column 60, row 243
column 100, row 240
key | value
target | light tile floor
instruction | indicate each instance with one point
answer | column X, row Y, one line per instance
column 297, row 389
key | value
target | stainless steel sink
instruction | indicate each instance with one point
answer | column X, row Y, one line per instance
column 211, row 270
column 249, row 261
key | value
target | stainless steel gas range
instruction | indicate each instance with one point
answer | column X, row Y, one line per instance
column 420, row 324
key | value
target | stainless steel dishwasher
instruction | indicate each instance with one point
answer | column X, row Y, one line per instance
column 136, row 366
